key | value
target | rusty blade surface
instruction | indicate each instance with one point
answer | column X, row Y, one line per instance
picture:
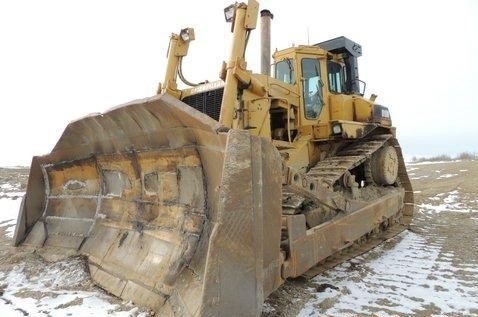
column 170, row 213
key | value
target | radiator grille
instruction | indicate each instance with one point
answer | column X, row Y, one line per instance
column 208, row 102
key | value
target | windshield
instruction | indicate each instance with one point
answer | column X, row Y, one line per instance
column 284, row 71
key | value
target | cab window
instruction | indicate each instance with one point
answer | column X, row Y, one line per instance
column 284, row 71
column 336, row 77
column 312, row 87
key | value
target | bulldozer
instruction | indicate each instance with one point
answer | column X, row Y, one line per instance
column 205, row 199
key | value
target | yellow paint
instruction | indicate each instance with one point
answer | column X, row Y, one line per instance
column 275, row 109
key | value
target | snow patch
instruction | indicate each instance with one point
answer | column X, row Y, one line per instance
column 446, row 176
column 450, row 203
column 452, row 197
column 267, row 308
column 8, row 214
column 419, row 177
column 11, row 195
column 430, row 162
column 52, row 291
column 403, row 280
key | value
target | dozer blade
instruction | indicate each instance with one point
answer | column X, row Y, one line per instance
column 170, row 213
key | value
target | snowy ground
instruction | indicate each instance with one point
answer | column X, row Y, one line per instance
column 54, row 289
column 413, row 277
column 430, row 270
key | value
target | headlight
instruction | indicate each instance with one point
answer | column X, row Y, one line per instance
column 229, row 12
column 187, row 34
column 337, row 128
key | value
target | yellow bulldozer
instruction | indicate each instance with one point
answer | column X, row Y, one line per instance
column 202, row 201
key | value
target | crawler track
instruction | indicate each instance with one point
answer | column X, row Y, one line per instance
column 329, row 174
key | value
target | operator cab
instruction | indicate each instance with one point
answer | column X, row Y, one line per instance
column 325, row 76
column 315, row 73
column 339, row 55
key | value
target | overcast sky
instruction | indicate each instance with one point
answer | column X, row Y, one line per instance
column 61, row 60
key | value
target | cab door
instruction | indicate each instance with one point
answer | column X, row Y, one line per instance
column 312, row 88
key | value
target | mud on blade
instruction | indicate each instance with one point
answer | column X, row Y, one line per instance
column 166, row 209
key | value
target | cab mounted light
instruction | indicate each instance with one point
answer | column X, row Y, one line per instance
column 229, row 12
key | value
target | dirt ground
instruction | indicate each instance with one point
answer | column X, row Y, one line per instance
column 431, row 269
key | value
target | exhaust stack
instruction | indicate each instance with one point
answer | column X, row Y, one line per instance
column 266, row 17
